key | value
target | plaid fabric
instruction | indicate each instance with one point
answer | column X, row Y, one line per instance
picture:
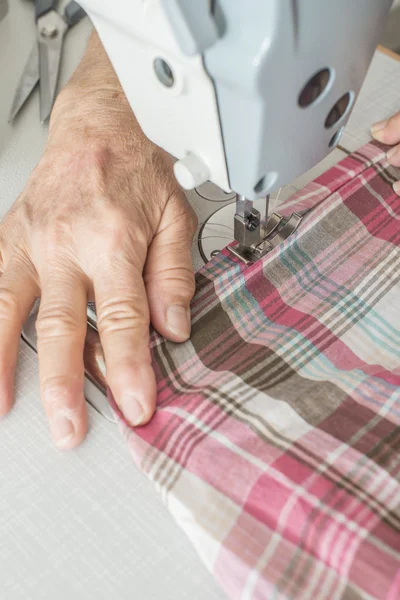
column 276, row 440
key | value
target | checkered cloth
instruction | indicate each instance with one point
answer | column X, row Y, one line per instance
column 276, row 440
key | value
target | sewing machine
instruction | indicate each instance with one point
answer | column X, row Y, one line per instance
column 247, row 94
column 87, row 524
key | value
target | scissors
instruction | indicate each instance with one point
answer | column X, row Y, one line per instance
column 44, row 60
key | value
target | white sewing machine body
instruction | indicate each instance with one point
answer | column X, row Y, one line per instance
column 222, row 85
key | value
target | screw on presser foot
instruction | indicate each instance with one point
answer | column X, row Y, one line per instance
column 257, row 237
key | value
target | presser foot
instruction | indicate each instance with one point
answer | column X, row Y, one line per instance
column 255, row 239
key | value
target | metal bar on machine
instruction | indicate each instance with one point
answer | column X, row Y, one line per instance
column 243, row 206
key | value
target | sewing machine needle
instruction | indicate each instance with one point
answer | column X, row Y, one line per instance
column 267, row 197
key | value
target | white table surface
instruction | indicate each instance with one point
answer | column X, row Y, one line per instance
column 87, row 524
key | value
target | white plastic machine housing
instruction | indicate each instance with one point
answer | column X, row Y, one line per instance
column 182, row 119
column 233, row 114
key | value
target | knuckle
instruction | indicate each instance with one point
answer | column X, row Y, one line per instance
column 55, row 322
column 60, row 391
column 118, row 317
column 180, row 281
column 176, row 282
column 113, row 216
column 51, row 244
column 58, row 230
column 117, row 232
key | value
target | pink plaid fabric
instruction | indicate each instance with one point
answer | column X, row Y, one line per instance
column 276, row 440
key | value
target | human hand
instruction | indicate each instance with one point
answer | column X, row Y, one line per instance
column 101, row 218
column 388, row 132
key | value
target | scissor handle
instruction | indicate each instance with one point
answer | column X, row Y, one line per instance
column 44, row 6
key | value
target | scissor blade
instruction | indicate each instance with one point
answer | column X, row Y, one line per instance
column 28, row 81
column 51, row 31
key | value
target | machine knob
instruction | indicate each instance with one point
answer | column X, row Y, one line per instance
column 191, row 172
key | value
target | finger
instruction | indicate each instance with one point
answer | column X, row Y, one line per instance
column 396, row 187
column 61, row 329
column 169, row 275
column 123, row 323
column 17, row 296
column 387, row 131
column 393, row 156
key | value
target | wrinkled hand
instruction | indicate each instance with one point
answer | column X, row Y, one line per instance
column 102, row 219
column 388, row 132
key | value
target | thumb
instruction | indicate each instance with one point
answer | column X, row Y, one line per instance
column 388, row 131
column 168, row 273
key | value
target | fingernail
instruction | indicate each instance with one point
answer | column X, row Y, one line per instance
column 132, row 410
column 378, row 128
column 178, row 320
column 396, row 187
column 391, row 152
column 62, row 430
